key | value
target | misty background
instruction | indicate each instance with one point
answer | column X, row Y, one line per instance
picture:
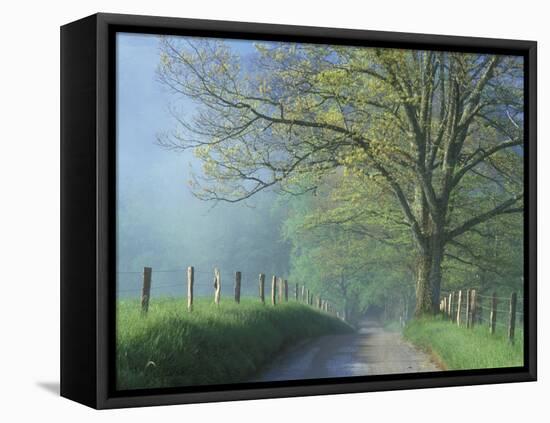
column 160, row 224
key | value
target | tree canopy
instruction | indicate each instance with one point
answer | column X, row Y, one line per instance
column 417, row 152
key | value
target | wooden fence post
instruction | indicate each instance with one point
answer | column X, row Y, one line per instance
column 281, row 287
column 493, row 318
column 262, row 288
column 479, row 309
column 512, row 319
column 444, row 306
column 217, row 286
column 285, row 282
column 296, row 292
column 274, row 290
column 459, row 306
column 303, row 294
column 451, row 306
column 146, row 289
column 468, row 294
column 238, row 287
column 190, row 281
column 473, row 308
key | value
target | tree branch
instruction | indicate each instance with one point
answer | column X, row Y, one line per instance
column 460, row 174
column 411, row 219
column 502, row 208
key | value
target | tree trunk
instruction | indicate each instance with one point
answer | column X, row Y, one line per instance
column 345, row 311
column 428, row 276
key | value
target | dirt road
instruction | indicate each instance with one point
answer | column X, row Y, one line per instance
column 370, row 351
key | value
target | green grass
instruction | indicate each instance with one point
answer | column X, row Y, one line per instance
column 212, row 345
column 458, row 348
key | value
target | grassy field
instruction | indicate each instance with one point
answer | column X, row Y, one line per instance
column 458, row 348
column 211, row 345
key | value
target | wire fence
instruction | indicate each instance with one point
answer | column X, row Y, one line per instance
column 173, row 282
column 469, row 308
column 192, row 283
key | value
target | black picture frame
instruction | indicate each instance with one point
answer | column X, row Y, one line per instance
column 88, row 218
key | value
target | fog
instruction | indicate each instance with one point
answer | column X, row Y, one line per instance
column 160, row 223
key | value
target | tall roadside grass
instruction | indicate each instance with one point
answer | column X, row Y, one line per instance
column 230, row 343
column 458, row 348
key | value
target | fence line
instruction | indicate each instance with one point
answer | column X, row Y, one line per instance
column 465, row 308
column 279, row 289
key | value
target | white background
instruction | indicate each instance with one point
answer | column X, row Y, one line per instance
column 29, row 214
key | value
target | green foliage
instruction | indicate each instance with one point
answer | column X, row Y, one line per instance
column 212, row 345
column 345, row 249
column 488, row 259
column 419, row 151
column 459, row 348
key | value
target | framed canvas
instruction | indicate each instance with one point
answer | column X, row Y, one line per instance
column 257, row 211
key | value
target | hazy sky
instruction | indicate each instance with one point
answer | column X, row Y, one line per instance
column 142, row 103
column 159, row 222
column 151, row 182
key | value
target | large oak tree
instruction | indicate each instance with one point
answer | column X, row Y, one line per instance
column 439, row 133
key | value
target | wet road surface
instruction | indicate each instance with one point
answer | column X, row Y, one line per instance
column 369, row 351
